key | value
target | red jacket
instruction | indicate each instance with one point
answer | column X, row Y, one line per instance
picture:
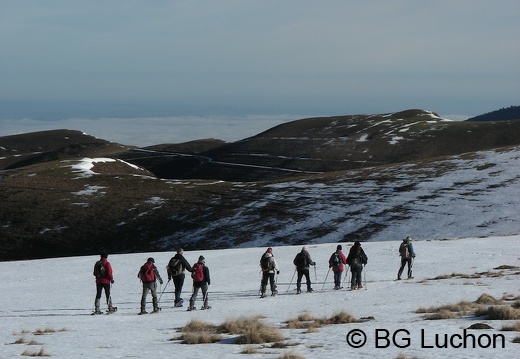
column 108, row 278
column 341, row 268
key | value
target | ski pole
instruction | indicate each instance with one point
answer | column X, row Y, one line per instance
column 365, row 275
column 325, row 281
column 291, row 279
column 315, row 275
column 158, row 301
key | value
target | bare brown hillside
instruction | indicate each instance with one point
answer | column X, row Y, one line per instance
column 320, row 179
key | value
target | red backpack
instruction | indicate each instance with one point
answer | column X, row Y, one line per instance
column 147, row 273
column 198, row 272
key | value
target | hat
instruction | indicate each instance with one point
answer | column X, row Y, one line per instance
column 269, row 250
column 357, row 244
column 408, row 239
column 104, row 255
column 151, row 260
column 180, row 251
column 339, row 247
column 304, row 248
column 201, row 259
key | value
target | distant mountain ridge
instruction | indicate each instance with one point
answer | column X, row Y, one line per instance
column 315, row 180
column 511, row 113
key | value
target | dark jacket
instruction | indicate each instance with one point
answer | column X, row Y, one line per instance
column 305, row 262
column 185, row 265
column 357, row 256
column 206, row 279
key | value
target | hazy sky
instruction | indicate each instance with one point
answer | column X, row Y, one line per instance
column 96, row 59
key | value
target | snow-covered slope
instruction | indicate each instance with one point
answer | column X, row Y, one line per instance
column 58, row 294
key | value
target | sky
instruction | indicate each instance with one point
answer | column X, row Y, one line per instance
column 91, row 60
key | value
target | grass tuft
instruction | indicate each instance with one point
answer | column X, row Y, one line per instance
column 487, row 299
column 498, row 312
column 39, row 353
column 307, row 321
column 291, row 355
column 511, row 327
column 199, row 332
column 249, row 350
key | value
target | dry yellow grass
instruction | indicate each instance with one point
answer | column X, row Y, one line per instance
column 249, row 350
column 487, row 299
column 511, row 327
column 199, row 332
column 486, row 305
column 251, row 330
column 307, row 321
column 39, row 353
column 499, row 312
column 291, row 355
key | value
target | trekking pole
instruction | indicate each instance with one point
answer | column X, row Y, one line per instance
column 159, row 300
column 315, row 275
column 325, row 281
column 291, row 279
column 365, row 275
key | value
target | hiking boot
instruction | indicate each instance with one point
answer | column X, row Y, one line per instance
column 178, row 304
column 359, row 286
column 112, row 309
column 298, row 291
column 262, row 295
column 204, row 307
column 310, row 290
column 274, row 293
column 156, row 310
column 190, row 308
column 97, row 311
column 143, row 312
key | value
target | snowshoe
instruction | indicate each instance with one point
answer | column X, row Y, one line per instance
column 190, row 308
column 156, row 310
column 96, row 312
column 310, row 290
column 112, row 310
column 142, row 312
column 263, row 295
column 274, row 293
column 205, row 307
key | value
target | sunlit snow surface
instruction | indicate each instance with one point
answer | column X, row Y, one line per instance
column 59, row 294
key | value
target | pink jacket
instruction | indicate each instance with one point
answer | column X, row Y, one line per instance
column 341, row 268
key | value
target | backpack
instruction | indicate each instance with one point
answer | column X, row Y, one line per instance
column 147, row 273
column 198, row 272
column 175, row 266
column 99, row 269
column 300, row 261
column 266, row 263
column 403, row 250
column 335, row 259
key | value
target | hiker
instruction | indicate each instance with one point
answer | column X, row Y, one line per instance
column 149, row 274
column 337, row 262
column 104, row 280
column 201, row 280
column 407, row 255
column 176, row 267
column 269, row 268
column 356, row 259
column 303, row 261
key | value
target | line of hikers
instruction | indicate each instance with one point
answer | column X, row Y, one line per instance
column 178, row 265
